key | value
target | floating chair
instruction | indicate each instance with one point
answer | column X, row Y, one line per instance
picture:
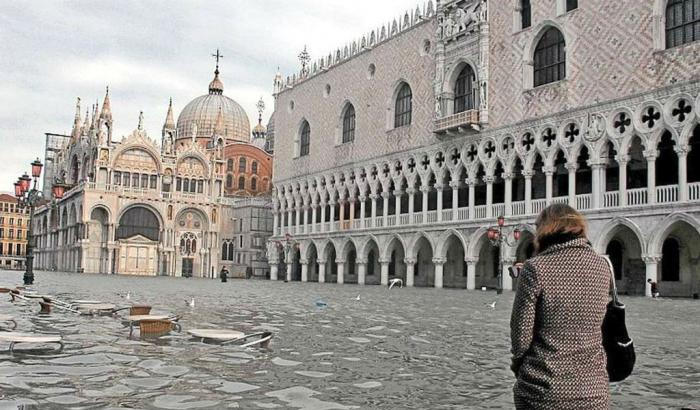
column 137, row 319
column 5, row 290
column 157, row 327
column 47, row 303
column 139, row 310
column 16, row 338
column 5, row 321
column 231, row 336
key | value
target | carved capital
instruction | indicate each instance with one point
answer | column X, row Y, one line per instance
column 410, row 261
column 439, row 261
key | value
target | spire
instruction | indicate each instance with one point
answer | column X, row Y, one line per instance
column 169, row 121
column 140, row 126
column 261, row 107
column 216, row 86
column 106, row 113
column 95, row 115
column 77, row 122
column 260, row 131
column 278, row 83
column 219, row 126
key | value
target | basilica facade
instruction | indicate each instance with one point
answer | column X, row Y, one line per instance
column 135, row 206
column 398, row 151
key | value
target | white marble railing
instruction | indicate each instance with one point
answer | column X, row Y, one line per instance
column 634, row 197
column 666, row 194
column 611, row 199
column 694, row 191
column 584, row 202
column 637, row 196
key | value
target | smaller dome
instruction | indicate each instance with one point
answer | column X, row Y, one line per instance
column 216, row 86
column 259, row 129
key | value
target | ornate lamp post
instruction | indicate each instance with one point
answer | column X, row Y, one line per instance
column 498, row 236
column 27, row 197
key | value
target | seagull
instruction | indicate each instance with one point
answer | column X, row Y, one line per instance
column 128, row 295
column 358, row 297
column 492, row 305
column 190, row 303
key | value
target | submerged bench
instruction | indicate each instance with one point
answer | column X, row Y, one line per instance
column 223, row 336
column 15, row 338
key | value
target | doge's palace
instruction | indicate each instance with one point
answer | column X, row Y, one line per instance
column 397, row 151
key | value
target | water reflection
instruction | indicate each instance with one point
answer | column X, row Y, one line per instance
column 404, row 348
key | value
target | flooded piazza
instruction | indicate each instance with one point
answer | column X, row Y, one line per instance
column 404, row 348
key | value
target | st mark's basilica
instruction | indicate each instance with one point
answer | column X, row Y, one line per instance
column 187, row 206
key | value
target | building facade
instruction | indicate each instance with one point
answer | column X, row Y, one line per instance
column 396, row 152
column 138, row 207
column 13, row 233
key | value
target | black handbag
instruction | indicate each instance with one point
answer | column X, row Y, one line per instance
column 619, row 347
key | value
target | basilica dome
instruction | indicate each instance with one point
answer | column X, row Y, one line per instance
column 204, row 110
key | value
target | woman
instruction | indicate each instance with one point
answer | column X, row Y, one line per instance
column 558, row 357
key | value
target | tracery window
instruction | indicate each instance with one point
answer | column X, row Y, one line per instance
column 253, row 184
column 464, row 90
column 242, row 164
column 229, row 165
column 550, row 58
column 682, row 22
column 305, row 139
column 241, row 182
column 254, row 167
column 229, row 181
column 525, row 13
column 404, row 106
column 349, row 124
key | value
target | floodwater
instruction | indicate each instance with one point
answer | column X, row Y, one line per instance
column 391, row 349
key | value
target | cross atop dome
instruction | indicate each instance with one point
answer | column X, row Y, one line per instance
column 216, row 86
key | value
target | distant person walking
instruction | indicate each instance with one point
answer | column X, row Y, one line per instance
column 558, row 357
column 654, row 288
column 224, row 274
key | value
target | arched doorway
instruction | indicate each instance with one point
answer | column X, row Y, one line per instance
column 455, row 268
column 679, row 273
column 192, row 224
column 296, row 265
column 424, row 270
column 396, row 257
column 350, row 268
column 97, row 258
column 625, row 252
column 138, row 236
column 487, row 265
column 312, row 263
column 331, row 264
column 373, row 269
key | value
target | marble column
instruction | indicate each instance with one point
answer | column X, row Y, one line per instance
column 505, row 274
column 489, row 196
column 527, row 175
column 314, row 213
column 363, row 210
column 438, row 190
column 622, row 164
column 397, row 204
column 323, row 217
column 410, row 271
column 652, row 271
column 384, row 264
column 411, row 204
column 651, row 177
column 471, row 182
column 439, row 269
column 341, row 270
column 374, row 198
column 508, row 193
column 425, row 190
column 455, row 200
column 682, row 153
column 471, row 273
column 273, row 271
column 361, row 272
column 321, row 271
column 385, row 207
column 304, row 270
column 332, row 216
column 549, row 174
column 572, row 168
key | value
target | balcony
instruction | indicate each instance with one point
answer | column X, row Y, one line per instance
column 611, row 200
column 457, row 124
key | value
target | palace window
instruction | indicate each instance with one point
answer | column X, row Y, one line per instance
column 154, row 181
column 254, row 167
column 571, row 5
column 550, row 58
column 253, row 184
column 117, row 178
column 12, row 234
column 134, row 180
column 144, row 181
column 404, row 106
column 241, row 164
column 178, row 184
column 349, row 124
column 682, row 22
column 200, row 186
column 12, row 221
column 229, row 165
column 305, row 139
column 126, row 179
column 229, row 181
column 464, row 90
column 241, row 182
column 525, row 13
column 186, row 185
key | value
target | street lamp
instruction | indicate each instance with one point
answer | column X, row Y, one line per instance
column 27, row 197
column 498, row 236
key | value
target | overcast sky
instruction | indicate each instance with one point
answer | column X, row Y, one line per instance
column 147, row 51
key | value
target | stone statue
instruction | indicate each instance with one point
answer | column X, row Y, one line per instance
column 440, row 29
column 483, row 95
column 465, row 17
column 438, row 106
column 449, row 26
column 168, row 146
column 596, row 128
column 483, row 11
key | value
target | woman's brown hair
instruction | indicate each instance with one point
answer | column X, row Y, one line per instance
column 557, row 224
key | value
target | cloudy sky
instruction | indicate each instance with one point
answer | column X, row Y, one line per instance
column 148, row 51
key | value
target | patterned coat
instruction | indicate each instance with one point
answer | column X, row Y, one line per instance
column 558, row 357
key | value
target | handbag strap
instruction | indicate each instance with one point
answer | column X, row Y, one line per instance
column 613, row 285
